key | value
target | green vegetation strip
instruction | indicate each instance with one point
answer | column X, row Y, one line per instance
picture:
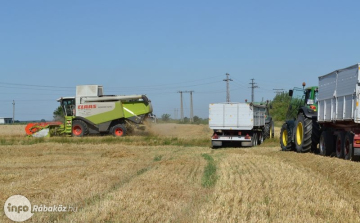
column 209, row 177
column 128, row 140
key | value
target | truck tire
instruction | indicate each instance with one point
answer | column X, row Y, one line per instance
column 348, row 146
column 339, row 145
column 303, row 132
column 254, row 140
column 285, row 143
column 260, row 138
column 118, row 130
column 326, row 144
column 79, row 128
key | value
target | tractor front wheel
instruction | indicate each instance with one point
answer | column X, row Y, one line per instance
column 285, row 143
column 303, row 132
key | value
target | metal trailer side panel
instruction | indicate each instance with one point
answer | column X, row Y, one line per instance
column 337, row 95
column 230, row 116
column 259, row 115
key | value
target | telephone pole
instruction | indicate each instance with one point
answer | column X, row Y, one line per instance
column 13, row 111
column 253, row 86
column 182, row 107
column 227, row 87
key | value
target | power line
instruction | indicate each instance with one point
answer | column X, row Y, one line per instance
column 227, row 87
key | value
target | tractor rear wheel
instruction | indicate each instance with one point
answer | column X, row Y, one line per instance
column 269, row 130
column 285, row 143
column 118, row 130
column 79, row 128
column 303, row 132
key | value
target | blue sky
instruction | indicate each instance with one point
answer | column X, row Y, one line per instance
column 158, row 48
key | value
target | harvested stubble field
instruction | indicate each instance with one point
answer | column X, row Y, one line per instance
column 170, row 174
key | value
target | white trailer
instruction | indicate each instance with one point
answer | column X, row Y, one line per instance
column 237, row 122
column 339, row 113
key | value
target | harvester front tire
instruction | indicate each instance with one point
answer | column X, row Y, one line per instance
column 79, row 128
column 303, row 132
column 285, row 143
column 118, row 130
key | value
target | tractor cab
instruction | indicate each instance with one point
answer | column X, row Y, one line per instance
column 68, row 105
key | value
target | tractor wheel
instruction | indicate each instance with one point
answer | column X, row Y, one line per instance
column 118, row 130
column 303, row 132
column 339, row 145
column 269, row 130
column 285, row 143
column 79, row 128
column 326, row 144
column 348, row 146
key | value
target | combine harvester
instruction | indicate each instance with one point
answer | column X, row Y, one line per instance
column 91, row 112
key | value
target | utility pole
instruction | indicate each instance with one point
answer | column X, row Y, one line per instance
column 227, row 87
column 176, row 112
column 13, row 111
column 181, row 107
column 253, row 86
column 191, row 107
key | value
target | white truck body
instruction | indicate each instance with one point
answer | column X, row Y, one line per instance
column 235, row 121
column 338, row 97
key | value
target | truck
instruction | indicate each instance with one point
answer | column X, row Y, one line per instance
column 244, row 124
column 92, row 112
column 330, row 123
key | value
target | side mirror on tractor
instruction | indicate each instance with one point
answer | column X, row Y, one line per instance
column 291, row 93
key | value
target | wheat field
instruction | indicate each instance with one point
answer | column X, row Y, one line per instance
column 155, row 178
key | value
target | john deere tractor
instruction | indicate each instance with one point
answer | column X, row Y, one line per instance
column 300, row 132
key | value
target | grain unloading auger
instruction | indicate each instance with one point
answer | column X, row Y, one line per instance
column 91, row 112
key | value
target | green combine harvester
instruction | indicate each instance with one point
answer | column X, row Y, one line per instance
column 92, row 112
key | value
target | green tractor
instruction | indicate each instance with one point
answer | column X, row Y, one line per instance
column 301, row 132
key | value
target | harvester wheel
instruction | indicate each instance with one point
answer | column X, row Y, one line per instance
column 285, row 143
column 79, row 128
column 118, row 130
column 339, row 145
column 303, row 132
column 326, row 144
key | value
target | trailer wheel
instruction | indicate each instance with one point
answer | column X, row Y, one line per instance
column 348, row 146
column 260, row 138
column 326, row 143
column 285, row 143
column 303, row 132
column 339, row 145
column 79, row 128
column 254, row 140
column 118, row 130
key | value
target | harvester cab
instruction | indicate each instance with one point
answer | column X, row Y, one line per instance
column 300, row 124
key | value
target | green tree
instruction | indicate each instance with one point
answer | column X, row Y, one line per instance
column 58, row 114
column 165, row 117
column 280, row 106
